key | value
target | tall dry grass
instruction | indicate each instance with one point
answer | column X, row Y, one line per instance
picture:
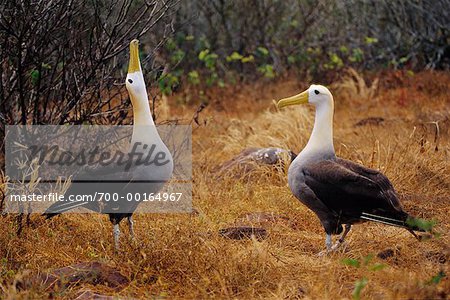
column 182, row 256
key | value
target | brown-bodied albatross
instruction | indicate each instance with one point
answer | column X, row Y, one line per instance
column 340, row 192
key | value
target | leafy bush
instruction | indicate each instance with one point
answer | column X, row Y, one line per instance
column 250, row 39
column 74, row 53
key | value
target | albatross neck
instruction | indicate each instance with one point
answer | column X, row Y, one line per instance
column 321, row 140
column 141, row 110
column 144, row 129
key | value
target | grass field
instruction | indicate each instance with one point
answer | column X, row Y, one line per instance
column 183, row 256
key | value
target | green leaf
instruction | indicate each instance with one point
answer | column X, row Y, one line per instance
column 370, row 40
column 377, row 267
column 267, row 71
column 423, row 224
column 204, row 43
column 177, row 56
column 194, row 77
column 210, row 61
column 211, row 79
column 343, row 49
column 171, row 45
column 336, row 60
column 35, row 75
column 213, row 55
column 402, row 60
column 10, row 273
column 234, row 56
column 357, row 55
column 247, row 59
column 263, row 51
column 351, row 262
column 328, row 66
column 189, row 38
column 359, row 285
column 291, row 59
column 167, row 83
column 203, row 54
column 437, row 278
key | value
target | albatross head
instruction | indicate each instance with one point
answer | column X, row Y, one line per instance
column 135, row 79
column 136, row 88
column 321, row 139
column 315, row 94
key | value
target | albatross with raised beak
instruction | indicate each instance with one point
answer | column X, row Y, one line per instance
column 340, row 192
column 141, row 178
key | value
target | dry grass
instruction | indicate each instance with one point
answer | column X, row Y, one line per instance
column 353, row 87
column 182, row 256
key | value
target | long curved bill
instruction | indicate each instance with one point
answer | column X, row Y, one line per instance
column 301, row 98
column 134, row 65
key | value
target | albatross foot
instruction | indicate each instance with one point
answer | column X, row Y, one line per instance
column 338, row 247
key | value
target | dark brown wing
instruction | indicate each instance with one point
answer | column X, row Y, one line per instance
column 350, row 190
column 379, row 178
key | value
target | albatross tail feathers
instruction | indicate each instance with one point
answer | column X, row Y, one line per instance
column 408, row 222
column 60, row 207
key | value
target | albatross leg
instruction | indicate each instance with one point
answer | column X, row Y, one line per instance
column 116, row 233
column 346, row 231
column 328, row 242
column 130, row 226
column 341, row 240
column 414, row 234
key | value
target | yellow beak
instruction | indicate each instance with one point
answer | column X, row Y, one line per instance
column 134, row 65
column 297, row 99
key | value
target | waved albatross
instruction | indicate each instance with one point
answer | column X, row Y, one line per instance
column 140, row 178
column 339, row 191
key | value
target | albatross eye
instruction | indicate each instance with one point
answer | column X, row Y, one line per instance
column 316, row 92
column 130, row 81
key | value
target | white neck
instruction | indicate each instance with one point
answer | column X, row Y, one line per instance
column 141, row 109
column 321, row 139
column 144, row 129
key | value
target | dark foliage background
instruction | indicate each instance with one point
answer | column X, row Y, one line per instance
column 313, row 38
column 63, row 61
